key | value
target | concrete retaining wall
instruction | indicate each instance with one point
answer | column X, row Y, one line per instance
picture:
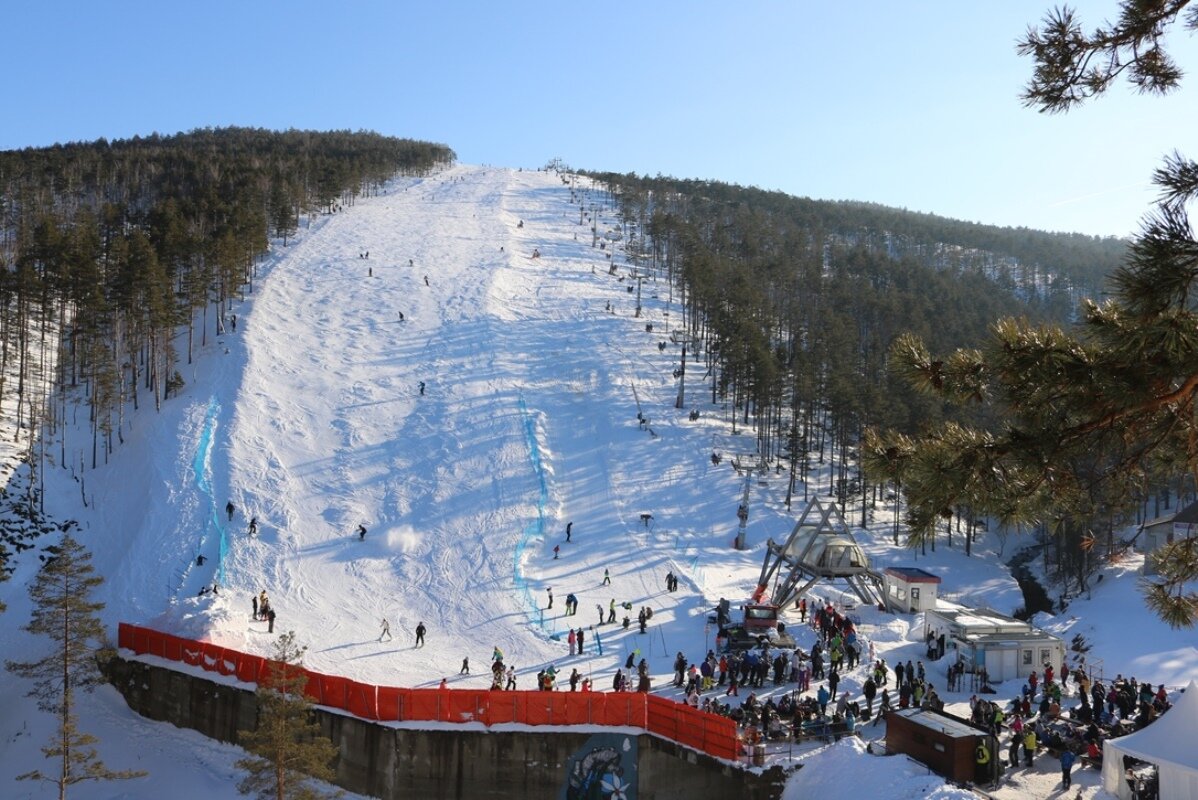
column 382, row 761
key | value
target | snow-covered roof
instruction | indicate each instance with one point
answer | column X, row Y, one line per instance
column 912, row 574
column 949, row 726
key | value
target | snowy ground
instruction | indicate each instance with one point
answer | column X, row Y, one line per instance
column 310, row 418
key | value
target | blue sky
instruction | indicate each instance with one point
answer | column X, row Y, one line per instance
column 908, row 104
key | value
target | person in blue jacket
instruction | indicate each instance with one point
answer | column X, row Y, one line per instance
column 823, row 696
column 1067, row 759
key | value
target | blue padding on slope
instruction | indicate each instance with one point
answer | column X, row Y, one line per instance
column 536, row 528
column 199, row 466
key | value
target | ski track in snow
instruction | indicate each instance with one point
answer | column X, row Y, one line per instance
column 320, row 426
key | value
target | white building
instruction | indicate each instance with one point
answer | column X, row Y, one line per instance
column 1161, row 531
column 1008, row 648
column 910, row 590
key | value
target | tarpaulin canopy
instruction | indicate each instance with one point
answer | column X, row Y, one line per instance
column 1167, row 743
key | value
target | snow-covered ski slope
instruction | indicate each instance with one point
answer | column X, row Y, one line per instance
column 528, row 421
column 309, row 417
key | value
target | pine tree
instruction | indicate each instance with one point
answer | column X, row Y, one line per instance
column 287, row 744
column 64, row 611
column 1087, row 417
column 1072, row 66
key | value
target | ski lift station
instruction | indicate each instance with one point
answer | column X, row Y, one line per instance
column 819, row 548
column 1007, row 648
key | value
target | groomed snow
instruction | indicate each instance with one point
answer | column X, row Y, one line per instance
column 309, row 417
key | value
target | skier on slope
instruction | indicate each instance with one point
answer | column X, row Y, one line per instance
column 386, row 630
column 420, row 634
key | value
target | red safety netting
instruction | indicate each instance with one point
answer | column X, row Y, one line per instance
column 390, row 703
column 361, row 699
column 705, row 732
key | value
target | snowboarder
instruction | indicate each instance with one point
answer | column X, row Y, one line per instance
column 599, row 608
column 270, row 618
column 253, row 526
column 200, row 559
column 229, row 509
column 496, row 654
column 465, row 670
column 569, row 529
column 550, row 591
column 386, row 630
column 420, row 634
column 422, row 388
column 401, row 316
column 426, row 280
column 611, row 612
column 556, row 550
column 361, row 532
column 606, row 578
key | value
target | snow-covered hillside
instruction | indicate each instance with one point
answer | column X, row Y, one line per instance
column 464, row 401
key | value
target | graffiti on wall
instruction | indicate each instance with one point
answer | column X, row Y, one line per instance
column 602, row 769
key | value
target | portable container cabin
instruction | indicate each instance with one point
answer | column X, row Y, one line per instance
column 1007, row 648
column 945, row 743
column 910, row 590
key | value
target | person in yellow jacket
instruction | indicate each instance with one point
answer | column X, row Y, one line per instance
column 1029, row 744
column 982, row 755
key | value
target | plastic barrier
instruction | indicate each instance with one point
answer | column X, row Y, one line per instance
column 361, row 699
column 708, row 733
column 390, row 701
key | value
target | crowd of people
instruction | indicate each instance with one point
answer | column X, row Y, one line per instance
column 1069, row 723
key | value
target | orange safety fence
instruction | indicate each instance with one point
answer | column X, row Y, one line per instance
column 678, row 722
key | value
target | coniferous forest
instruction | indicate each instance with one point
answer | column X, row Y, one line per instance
column 793, row 306
column 119, row 259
